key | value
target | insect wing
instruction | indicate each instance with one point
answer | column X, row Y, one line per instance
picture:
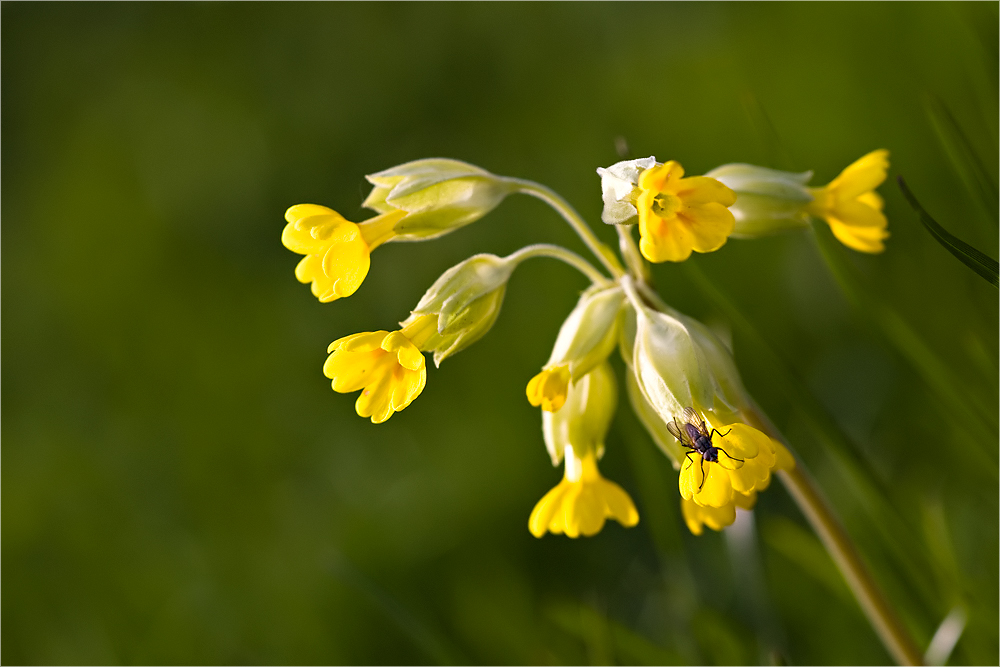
column 678, row 432
column 693, row 418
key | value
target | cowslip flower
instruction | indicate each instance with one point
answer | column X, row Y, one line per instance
column 742, row 462
column 771, row 201
column 337, row 251
column 584, row 500
column 676, row 215
column 387, row 368
column 585, row 340
column 850, row 205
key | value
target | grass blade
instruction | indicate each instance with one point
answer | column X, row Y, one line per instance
column 976, row 260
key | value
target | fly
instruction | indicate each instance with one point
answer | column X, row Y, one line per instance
column 691, row 432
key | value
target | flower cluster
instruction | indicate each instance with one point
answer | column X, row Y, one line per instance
column 681, row 380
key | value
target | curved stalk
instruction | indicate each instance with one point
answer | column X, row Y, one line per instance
column 562, row 207
column 562, row 254
column 630, row 251
column 832, row 533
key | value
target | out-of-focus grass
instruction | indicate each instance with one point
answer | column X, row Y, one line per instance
column 180, row 485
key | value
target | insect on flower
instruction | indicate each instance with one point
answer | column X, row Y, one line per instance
column 692, row 433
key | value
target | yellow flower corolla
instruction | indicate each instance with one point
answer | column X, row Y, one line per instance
column 549, row 388
column 387, row 368
column 850, row 205
column 678, row 215
column 582, row 501
column 746, row 458
column 337, row 251
column 697, row 517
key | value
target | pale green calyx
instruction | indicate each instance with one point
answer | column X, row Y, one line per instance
column 584, row 419
column 619, row 189
column 655, row 425
column 767, row 201
column 590, row 332
column 461, row 306
column 439, row 195
column 678, row 362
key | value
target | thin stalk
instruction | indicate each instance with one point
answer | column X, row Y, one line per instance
column 831, row 532
column 562, row 207
column 630, row 251
column 562, row 254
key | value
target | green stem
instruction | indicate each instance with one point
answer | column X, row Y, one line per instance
column 562, row 254
column 630, row 251
column 820, row 515
column 562, row 207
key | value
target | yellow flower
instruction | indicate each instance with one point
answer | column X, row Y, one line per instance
column 387, row 367
column 697, row 517
column 850, row 205
column 549, row 388
column 336, row 251
column 678, row 215
column 582, row 501
column 746, row 458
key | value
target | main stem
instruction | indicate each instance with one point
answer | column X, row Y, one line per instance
column 601, row 251
column 810, row 500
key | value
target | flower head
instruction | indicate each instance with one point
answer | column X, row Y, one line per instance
column 387, row 367
column 437, row 195
column 583, row 500
column 337, row 251
column 678, row 215
column 850, row 205
column 738, row 460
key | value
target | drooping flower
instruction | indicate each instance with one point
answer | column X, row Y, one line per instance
column 387, row 368
column 582, row 502
column 744, row 460
column 850, row 205
column 337, row 251
column 585, row 340
column 678, row 215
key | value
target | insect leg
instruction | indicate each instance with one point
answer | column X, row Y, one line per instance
column 702, row 474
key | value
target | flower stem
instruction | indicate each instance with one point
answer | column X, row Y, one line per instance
column 810, row 500
column 562, row 207
column 560, row 253
column 630, row 251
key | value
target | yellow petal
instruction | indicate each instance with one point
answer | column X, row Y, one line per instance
column 865, row 174
column 691, row 478
column 709, row 224
column 783, row 458
column 300, row 211
column 862, row 239
column 699, row 190
column 662, row 176
column 663, row 240
column 618, row 504
column 541, row 515
column 347, row 262
column 741, row 441
column 360, row 342
column 717, row 490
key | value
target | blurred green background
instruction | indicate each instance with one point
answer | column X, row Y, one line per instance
column 180, row 484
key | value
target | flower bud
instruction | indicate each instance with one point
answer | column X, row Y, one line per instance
column 437, row 194
column 460, row 307
column 619, row 189
column 767, row 201
column 585, row 339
